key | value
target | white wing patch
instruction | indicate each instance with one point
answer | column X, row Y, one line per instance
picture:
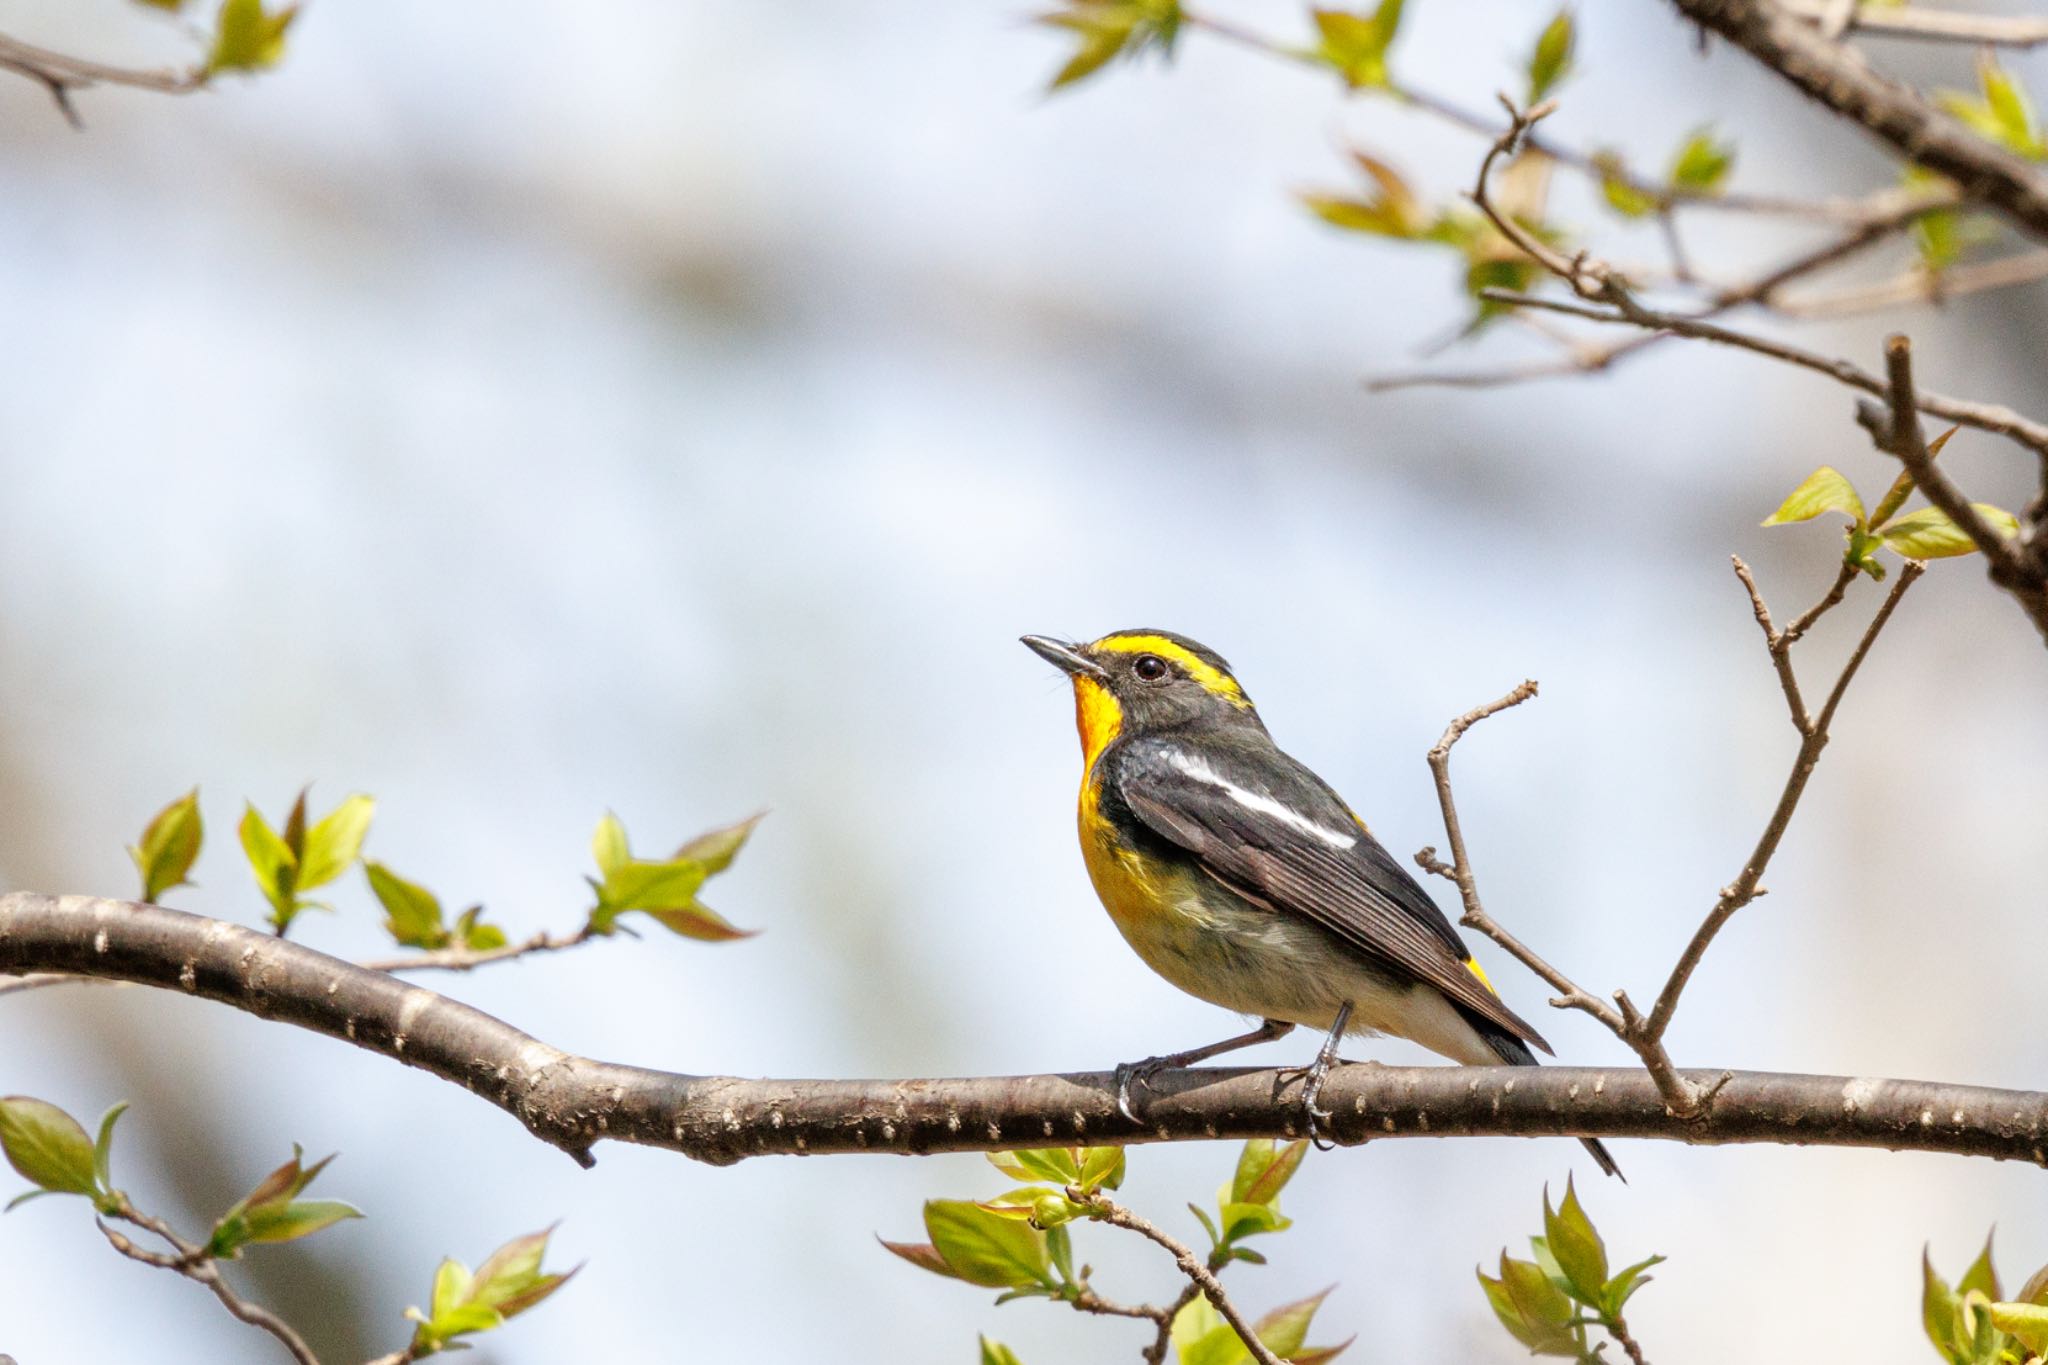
column 1194, row 766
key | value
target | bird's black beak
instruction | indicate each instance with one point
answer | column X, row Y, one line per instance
column 1065, row 657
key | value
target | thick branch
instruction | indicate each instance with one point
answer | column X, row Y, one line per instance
column 572, row 1102
column 1835, row 76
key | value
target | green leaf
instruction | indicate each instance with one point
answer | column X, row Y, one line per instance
column 1929, row 534
column 1572, row 1239
column 1285, row 1328
column 1250, row 1220
column 1111, row 28
column 103, row 1147
column 1539, row 1300
column 1059, row 1165
column 609, row 845
column 412, row 913
column 1825, row 490
column 47, row 1146
column 170, row 845
column 1623, row 1286
column 275, row 865
column 995, row 1353
column 1102, row 1168
column 1938, row 1307
column 985, row 1248
column 287, row 1222
column 480, row 937
column 267, row 1213
column 249, row 37
column 1539, row 1337
column 335, row 842
column 1702, row 163
column 1355, row 45
column 2027, row 1321
column 1263, row 1170
column 1622, row 193
column 1389, row 209
column 1981, row 1276
column 716, row 849
column 505, row 1285
column 1551, row 62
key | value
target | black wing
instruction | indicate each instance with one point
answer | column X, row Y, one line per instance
column 1268, row 828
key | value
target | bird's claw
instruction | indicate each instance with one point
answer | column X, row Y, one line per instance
column 1130, row 1074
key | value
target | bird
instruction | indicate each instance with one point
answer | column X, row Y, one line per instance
column 1240, row 876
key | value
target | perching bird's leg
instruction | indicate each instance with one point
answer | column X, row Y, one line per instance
column 1141, row 1073
column 1318, row 1072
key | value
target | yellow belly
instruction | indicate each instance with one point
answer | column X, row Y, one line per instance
column 1219, row 947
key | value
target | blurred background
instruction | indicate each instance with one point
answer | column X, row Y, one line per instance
column 516, row 411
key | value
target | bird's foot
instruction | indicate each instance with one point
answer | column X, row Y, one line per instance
column 1311, row 1083
column 1140, row 1074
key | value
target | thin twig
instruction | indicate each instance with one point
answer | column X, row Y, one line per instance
column 60, row 74
column 1934, row 25
column 1155, row 1354
column 1747, row 885
column 194, row 1264
column 1992, row 417
column 437, row 959
column 1104, row 1209
column 1920, row 285
column 1459, row 870
column 469, row 959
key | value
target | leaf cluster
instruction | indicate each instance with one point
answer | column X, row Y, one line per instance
column 466, row 1302
column 1924, row 534
column 1551, row 1304
column 1020, row 1243
column 1973, row 1323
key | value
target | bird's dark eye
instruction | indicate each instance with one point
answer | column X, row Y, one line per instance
column 1149, row 667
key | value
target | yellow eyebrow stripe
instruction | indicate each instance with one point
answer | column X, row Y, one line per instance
column 1212, row 678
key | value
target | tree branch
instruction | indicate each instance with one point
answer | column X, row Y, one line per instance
column 194, row 1264
column 1835, row 76
column 1571, row 996
column 1104, row 1209
column 1747, row 885
column 573, row 1102
column 1894, row 428
column 1935, row 25
column 60, row 74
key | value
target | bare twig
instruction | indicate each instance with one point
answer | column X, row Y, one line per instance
column 61, row 75
column 1104, row 1209
column 437, row 959
column 1747, row 885
column 194, row 1264
column 1919, row 285
column 1459, row 870
column 1925, row 23
column 1991, row 417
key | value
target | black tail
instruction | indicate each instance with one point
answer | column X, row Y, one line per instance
column 1515, row 1052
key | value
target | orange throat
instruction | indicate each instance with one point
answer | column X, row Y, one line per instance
column 1097, row 716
